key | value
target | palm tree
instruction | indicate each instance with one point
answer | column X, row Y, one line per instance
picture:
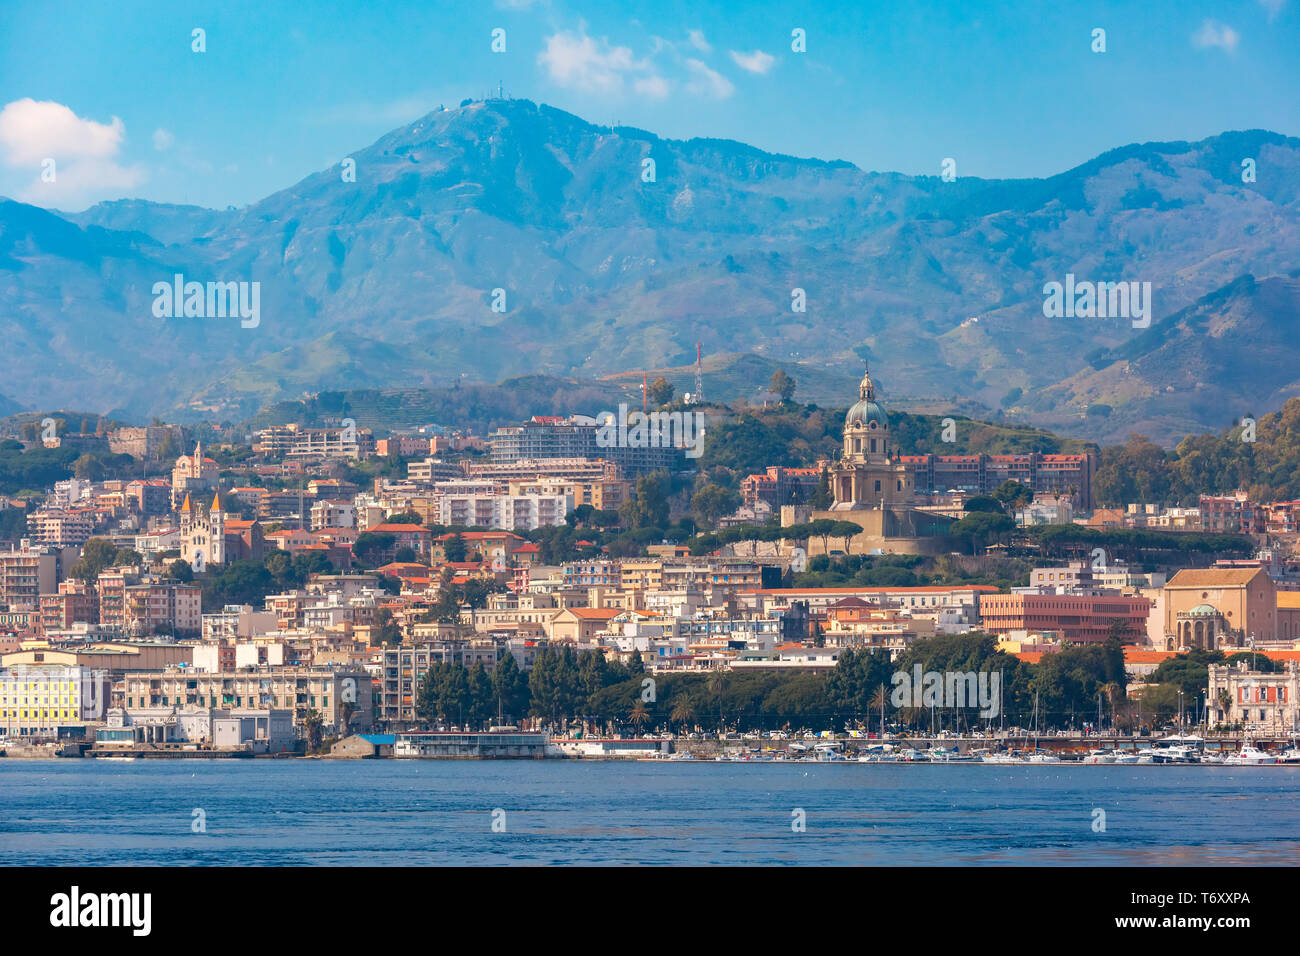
column 717, row 687
column 878, row 703
column 683, row 713
column 638, row 715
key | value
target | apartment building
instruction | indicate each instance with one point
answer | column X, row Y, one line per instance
column 294, row 441
column 404, row 668
column 40, row 700
column 26, row 572
column 325, row 690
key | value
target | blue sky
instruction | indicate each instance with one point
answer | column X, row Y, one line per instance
column 114, row 93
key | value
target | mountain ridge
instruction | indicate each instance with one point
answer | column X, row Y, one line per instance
column 390, row 279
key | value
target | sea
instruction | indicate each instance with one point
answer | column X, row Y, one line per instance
column 542, row 812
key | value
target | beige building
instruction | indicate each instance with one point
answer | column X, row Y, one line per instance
column 300, row 689
column 1217, row 608
column 1262, row 703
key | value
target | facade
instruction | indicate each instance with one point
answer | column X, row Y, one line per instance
column 296, row 442
column 1260, row 703
column 26, row 573
column 203, row 534
column 38, row 700
column 1069, row 475
column 405, row 667
column 1216, row 608
column 325, row 690
column 193, row 474
column 1079, row 618
column 54, row 528
column 780, row 486
column 868, row 475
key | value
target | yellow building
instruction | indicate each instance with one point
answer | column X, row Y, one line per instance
column 38, row 700
column 1218, row 608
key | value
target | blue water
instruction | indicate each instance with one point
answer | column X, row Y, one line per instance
column 412, row 812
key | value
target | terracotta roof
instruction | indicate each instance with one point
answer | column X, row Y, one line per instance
column 1213, row 577
column 596, row 613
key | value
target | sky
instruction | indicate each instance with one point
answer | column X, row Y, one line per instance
column 116, row 95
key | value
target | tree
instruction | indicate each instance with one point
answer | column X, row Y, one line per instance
column 97, row 554
column 713, row 501
column 821, row 498
column 180, row 571
column 638, row 715
column 783, row 384
column 510, row 686
column 683, row 714
column 660, row 391
column 313, row 727
column 454, row 548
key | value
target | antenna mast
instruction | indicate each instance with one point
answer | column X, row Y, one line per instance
column 699, row 377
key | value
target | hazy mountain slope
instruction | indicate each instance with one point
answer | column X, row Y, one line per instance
column 389, row 280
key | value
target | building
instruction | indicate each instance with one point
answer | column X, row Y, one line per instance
column 867, row 476
column 404, row 667
column 1258, row 702
column 1232, row 514
column 147, row 442
column 193, row 474
column 50, row 700
column 55, row 528
column 1216, row 608
column 873, row 488
column 1058, row 475
column 25, row 574
column 332, row 693
column 1079, row 618
column 780, row 486
column 203, row 534
column 293, row 441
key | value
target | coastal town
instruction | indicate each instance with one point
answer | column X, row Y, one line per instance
column 531, row 592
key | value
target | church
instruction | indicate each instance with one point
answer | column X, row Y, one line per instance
column 203, row 534
column 867, row 475
column 872, row 487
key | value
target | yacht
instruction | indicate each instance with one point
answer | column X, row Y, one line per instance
column 1250, row 756
column 1042, row 756
column 1100, row 756
column 1126, row 757
column 1004, row 758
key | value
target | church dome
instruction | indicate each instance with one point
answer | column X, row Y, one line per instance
column 1203, row 610
column 866, row 409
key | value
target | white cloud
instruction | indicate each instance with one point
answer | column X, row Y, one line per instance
column 1215, row 34
column 654, row 87
column 756, row 62
column 85, row 153
column 697, row 40
column 162, row 140
column 1273, row 7
column 707, row 82
column 31, row 131
column 580, row 62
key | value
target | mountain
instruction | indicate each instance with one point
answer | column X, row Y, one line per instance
column 389, row 280
column 1230, row 354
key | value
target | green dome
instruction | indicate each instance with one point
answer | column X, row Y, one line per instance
column 1204, row 610
column 865, row 412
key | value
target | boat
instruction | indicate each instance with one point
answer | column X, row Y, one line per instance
column 914, row 756
column 1249, row 756
column 1100, row 757
column 120, row 759
column 1042, row 756
column 1126, row 757
column 1004, row 758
